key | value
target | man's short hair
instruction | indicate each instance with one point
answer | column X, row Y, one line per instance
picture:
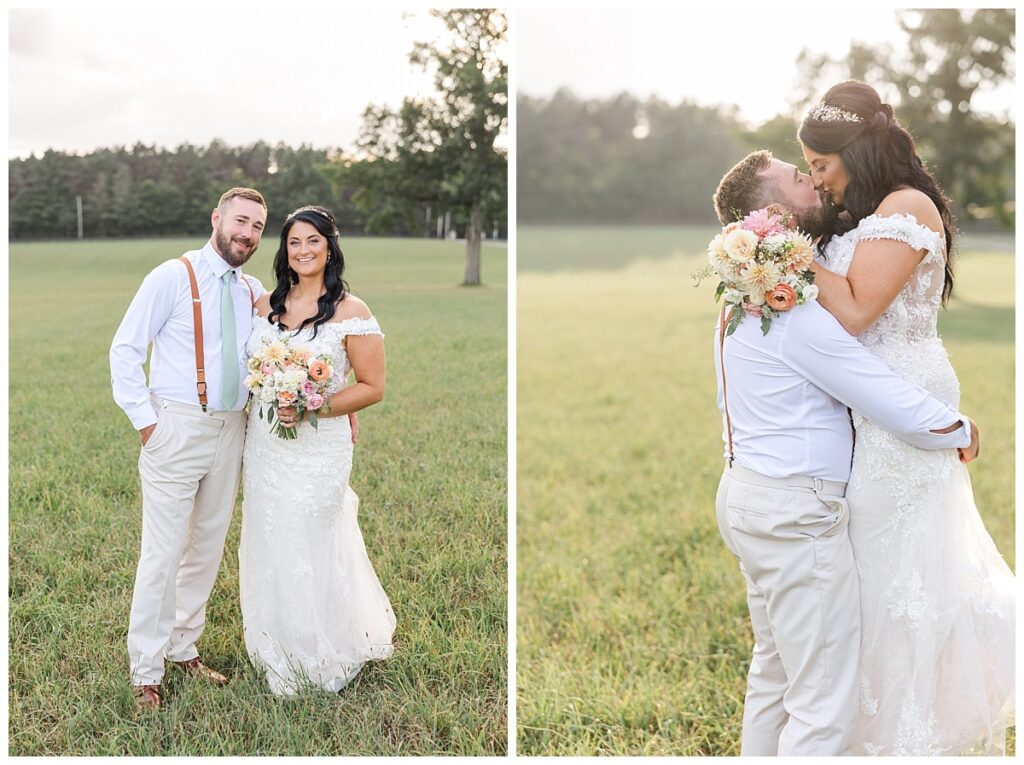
column 240, row 191
column 744, row 188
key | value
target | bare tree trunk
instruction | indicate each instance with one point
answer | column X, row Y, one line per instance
column 474, row 232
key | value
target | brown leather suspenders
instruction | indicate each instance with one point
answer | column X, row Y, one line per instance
column 725, row 398
column 197, row 325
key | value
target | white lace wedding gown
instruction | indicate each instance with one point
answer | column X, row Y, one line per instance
column 937, row 599
column 313, row 611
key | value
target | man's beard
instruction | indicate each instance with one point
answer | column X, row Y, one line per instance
column 817, row 222
column 224, row 243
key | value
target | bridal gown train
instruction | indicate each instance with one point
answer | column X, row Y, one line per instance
column 937, row 599
column 313, row 610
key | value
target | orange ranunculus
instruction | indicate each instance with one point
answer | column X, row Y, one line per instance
column 319, row 370
column 286, row 397
column 782, row 298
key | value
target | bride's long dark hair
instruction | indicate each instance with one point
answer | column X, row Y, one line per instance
column 879, row 157
column 336, row 287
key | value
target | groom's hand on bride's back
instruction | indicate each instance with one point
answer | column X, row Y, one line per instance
column 353, row 421
column 970, row 453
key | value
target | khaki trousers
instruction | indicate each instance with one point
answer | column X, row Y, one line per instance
column 790, row 536
column 190, row 469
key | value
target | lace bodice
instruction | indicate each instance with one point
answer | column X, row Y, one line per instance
column 914, row 313
column 906, row 335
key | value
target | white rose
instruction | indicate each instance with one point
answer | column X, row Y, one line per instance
column 268, row 395
column 775, row 241
column 810, row 292
column 732, row 296
column 717, row 255
column 757, row 298
column 741, row 244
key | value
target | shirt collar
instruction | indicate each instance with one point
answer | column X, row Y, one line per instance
column 216, row 263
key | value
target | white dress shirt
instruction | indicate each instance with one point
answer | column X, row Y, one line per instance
column 789, row 392
column 161, row 313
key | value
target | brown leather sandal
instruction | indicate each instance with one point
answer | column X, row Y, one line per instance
column 147, row 696
column 195, row 668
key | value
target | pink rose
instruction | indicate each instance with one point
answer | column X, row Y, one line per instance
column 752, row 310
column 315, row 401
column 266, row 369
column 308, row 389
column 782, row 298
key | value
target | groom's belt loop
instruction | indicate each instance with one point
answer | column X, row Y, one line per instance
column 817, row 485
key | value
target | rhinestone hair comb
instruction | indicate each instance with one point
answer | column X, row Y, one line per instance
column 829, row 113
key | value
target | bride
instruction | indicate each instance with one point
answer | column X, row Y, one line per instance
column 313, row 610
column 937, row 610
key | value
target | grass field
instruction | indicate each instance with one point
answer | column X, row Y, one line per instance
column 633, row 636
column 430, row 469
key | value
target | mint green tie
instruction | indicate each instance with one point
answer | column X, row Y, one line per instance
column 229, row 344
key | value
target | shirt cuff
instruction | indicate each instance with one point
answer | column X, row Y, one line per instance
column 142, row 416
column 965, row 432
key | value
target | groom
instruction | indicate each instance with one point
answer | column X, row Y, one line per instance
column 781, row 503
column 191, row 427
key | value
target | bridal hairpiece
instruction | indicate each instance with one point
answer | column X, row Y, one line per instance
column 319, row 211
column 829, row 113
column 311, row 208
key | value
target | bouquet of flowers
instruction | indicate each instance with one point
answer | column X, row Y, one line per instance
column 762, row 263
column 286, row 374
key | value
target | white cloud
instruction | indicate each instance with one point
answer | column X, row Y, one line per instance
column 84, row 79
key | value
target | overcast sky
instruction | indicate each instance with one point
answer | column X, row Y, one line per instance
column 83, row 79
column 717, row 55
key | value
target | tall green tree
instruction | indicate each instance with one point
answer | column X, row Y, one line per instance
column 443, row 153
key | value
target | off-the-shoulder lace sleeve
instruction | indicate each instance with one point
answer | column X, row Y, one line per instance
column 357, row 325
column 903, row 227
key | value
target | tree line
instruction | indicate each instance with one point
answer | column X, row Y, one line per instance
column 151, row 191
column 630, row 160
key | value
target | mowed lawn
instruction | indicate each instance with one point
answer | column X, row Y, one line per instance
column 633, row 635
column 430, row 469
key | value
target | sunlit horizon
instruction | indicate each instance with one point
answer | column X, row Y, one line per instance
column 720, row 57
